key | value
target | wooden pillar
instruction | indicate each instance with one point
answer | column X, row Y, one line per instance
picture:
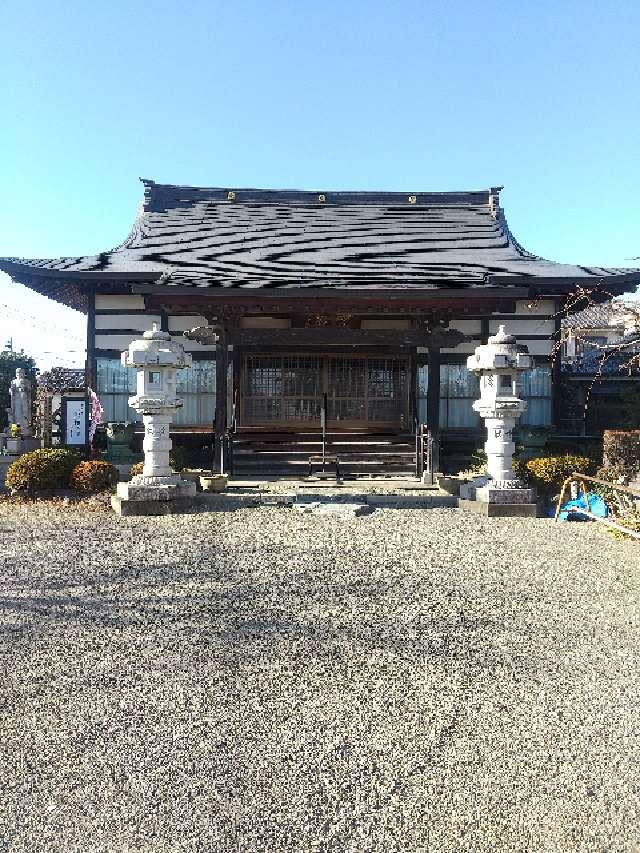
column 90, row 377
column 222, row 364
column 556, row 374
column 413, row 391
column 433, row 405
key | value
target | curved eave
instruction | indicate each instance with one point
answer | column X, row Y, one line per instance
column 604, row 286
column 71, row 287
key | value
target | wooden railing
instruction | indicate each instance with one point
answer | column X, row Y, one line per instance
column 581, row 480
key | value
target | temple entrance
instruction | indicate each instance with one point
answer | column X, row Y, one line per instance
column 363, row 392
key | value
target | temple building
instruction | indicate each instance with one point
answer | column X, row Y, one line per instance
column 353, row 309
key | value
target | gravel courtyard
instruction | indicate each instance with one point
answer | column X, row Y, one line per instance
column 262, row 680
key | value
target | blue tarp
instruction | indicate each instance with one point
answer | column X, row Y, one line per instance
column 596, row 506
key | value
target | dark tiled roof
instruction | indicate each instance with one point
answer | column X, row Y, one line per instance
column 220, row 237
column 62, row 379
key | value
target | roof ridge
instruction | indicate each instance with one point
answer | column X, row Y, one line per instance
column 155, row 193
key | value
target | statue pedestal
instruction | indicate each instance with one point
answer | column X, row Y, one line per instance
column 498, row 498
column 18, row 446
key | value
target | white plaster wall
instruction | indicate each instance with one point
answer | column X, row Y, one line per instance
column 539, row 347
column 126, row 321
column 125, row 301
column 119, row 342
column 467, row 327
column 522, row 328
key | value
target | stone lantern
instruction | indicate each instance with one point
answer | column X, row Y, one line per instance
column 500, row 364
column 158, row 489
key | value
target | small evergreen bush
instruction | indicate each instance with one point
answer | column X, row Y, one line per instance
column 93, row 476
column 179, row 458
column 547, row 473
column 42, row 470
column 622, row 451
column 478, row 462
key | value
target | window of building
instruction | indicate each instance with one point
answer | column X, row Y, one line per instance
column 115, row 385
column 196, row 387
column 536, row 389
column 459, row 388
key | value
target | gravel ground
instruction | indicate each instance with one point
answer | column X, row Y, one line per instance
column 269, row 681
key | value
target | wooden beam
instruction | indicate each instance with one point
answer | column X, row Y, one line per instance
column 343, row 336
column 302, row 302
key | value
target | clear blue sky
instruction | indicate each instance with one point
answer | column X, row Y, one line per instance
column 543, row 97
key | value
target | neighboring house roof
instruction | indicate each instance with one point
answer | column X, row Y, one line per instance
column 594, row 317
column 628, row 342
column 608, row 315
column 62, row 379
column 249, row 238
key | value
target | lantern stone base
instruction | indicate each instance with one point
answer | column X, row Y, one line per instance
column 498, row 497
column 499, row 510
column 146, row 498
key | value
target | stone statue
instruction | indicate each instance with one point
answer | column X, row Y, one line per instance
column 20, row 410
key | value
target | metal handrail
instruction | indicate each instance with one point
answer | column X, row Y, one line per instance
column 424, row 449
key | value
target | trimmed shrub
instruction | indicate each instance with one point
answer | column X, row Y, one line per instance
column 179, row 457
column 137, row 469
column 478, row 462
column 520, row 468
column 93, row 476
column 622, row 451
column 42, row 470
column 547, row 473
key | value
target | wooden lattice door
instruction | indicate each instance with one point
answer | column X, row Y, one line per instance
column 287, row 391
